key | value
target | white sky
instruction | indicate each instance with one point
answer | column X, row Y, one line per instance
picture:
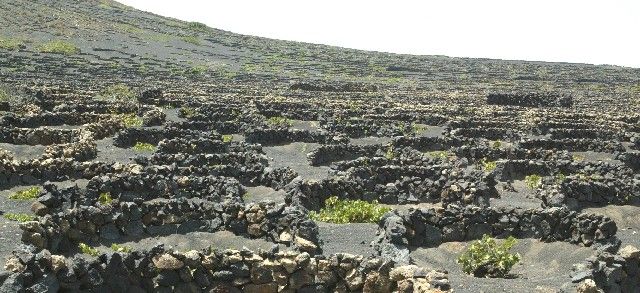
column 585, row 31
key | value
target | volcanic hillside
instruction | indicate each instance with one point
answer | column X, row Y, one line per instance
column 140, row 153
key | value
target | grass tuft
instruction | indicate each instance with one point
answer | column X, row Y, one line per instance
column 120, row 248
column 59, row 47
column 144, row 147
column 192, row 40
column 279, row 121
column 10, row 44
column 131, row 120
column 21, row 217
column 105, row 198
column 533, row 181
column 117, row 92
column 26, row 194
column 86, row 249
column 227, row 138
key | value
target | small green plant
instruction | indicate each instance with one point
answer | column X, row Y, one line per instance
column 192, row 40
column 417, row 128
column 533, row 181
column 578, row 158
column 86, row 249
column 390, row 154
column 496, row 144
column 560, row 178
column 144, row 147
column 279, row 121
column 485, row 258
column 59, row 47
column 4, row 95
column 131, row 120
column 21, row 217
column 105, row 198
column 187, row 112
column 227, row 138
column 120, row 248
column 197, row 70
column 198, row 26
column 117, row 92
column 439, row 154
column 349, row 211
column 488, row 166
column 10, row 44
column 26, row 194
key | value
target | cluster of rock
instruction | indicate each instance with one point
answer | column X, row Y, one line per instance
column 334, row 87
column 530, row 100
column 609, row 272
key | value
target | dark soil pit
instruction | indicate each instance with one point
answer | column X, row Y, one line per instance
column 24, row 152
column 107, row 152
column 305, row 125
column 544, row 267
column 294, row 155
column 523, row 196
column 260, row 193
column 371, row 140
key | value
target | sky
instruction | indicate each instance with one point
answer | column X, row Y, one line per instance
column 583, row 31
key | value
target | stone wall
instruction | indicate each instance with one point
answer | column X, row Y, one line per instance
column 164, row 270
column 400, row 230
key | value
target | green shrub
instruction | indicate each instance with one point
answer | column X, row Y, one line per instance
column 485, row 258
column 496, row 144
column 560, row 178
column 390, row 154
column 117, row 92
column 131, row 120
column 86, row 249
column 487, row 165
column 105, row 198
column 10, row 44
column 198, row 26
column 418, row 129
column 227, row 138
column 533, row 181
column 349, row 211
column 439, row 154
column 19, row 217
column 187, row 112
column 279, row 121
column 26, row 194
column 120, row 248
column 59, row 47
column 4, row 95
column 197, row 70
column 192, row 40
column 144, row 147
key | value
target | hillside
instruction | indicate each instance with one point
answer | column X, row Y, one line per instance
column 120, row 44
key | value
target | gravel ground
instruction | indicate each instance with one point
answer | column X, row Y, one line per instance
column 294, row 155
column 347, row 238
column 544, row 267
column 370, row 140
column 260, row 193
column 522, row 197
column 107, row 152
column 24, row 152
